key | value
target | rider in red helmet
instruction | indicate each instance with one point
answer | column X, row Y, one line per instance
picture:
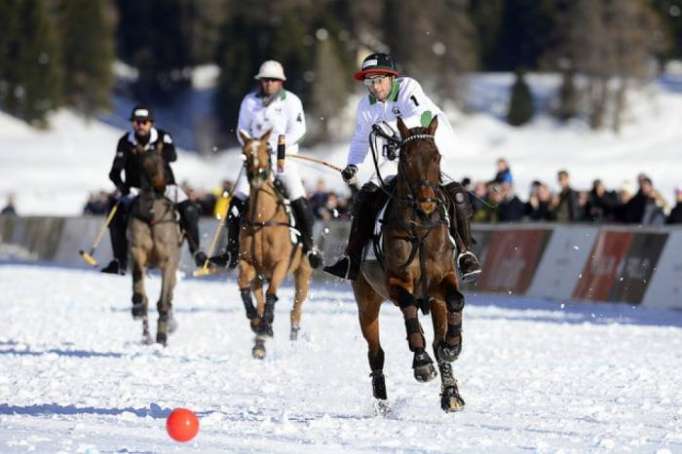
column 391, row 96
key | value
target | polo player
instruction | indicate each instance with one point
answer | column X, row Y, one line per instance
column 272, row 108
column 143, row 138
column 390, row 97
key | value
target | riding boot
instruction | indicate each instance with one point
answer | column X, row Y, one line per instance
column 369, row 200
column 460, row 229
column 304, row 223
column 189, row 221
column 230, row 257
column 119, row 242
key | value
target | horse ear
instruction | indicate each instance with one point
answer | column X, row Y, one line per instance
column 244, row 136
column 433, row 125
column 265, row 137
column 404, row 132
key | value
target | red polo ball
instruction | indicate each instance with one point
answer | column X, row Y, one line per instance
column 182, row 424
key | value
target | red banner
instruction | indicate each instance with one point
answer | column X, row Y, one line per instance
column 511, row 259
column 599, row 275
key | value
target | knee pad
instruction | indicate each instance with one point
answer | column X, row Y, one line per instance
column 454, row 301
column 460, row 198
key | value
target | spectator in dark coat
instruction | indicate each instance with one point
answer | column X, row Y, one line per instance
column 539, row 205
column 675, row 216
column 511, row 208
column 643, row 208
column 601, row 204
column 567, row 205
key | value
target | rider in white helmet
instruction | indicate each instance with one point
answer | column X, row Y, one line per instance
column 271, row 107
column 390, row 97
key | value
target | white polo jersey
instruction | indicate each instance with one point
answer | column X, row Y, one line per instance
column 406, row 100
column 283, row 113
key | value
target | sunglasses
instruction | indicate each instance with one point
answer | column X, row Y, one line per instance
column 370, row 81
column 141, row 122
column 268, row 79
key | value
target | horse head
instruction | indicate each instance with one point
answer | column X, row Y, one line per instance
column 419, row 166
column 258, row 160
column 153, row 168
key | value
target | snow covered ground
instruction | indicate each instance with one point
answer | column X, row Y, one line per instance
column 536, row 376
column 52, row 171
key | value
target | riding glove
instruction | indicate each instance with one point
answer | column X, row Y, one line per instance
column 348, row 174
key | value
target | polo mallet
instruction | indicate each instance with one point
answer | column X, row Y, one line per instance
column 316, row 161
column 205, row 270
column 87, row 256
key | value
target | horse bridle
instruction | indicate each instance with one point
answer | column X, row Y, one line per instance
column 265, row 173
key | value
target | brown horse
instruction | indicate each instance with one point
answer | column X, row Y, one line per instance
column 154, row 238
column 418, row 269
column 266, row 252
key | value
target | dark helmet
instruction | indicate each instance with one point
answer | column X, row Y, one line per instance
column 376, row 64
column 141, row 112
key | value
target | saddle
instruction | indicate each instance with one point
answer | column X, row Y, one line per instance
column 142, row 206
column 283, row 196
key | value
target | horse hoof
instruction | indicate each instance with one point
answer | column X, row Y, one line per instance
column 265, row 329
column 258, row 350
column 162, row 338
column 450, row 400
column 424, row 374
column 293, row 334
column 444, row 352
column 379, row 386
column 423, row 367
column 138, row 311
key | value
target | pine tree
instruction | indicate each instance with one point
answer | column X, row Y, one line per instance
column 88, row 49
column 31, row 76
column 330, row 86
column 154, row 37
column 521, row 109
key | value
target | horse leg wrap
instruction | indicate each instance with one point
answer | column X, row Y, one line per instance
column 269, row 312
column 415, row 337
column 376, row 363
column 164, row 315
column 139, row 309
column 376, row 360
column 251, row 312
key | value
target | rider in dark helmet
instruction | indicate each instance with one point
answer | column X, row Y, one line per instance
column 392, row 96
column 144, row 137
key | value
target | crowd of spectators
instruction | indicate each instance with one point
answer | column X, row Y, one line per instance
column 493, row 201
column 496, row 201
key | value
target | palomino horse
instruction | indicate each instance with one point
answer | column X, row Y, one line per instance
column 418, row 269
column 266, row 251
column 155, row 238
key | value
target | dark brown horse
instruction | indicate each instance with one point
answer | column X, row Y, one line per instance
column 266, row 251
column 154, row 238
column 418, row 269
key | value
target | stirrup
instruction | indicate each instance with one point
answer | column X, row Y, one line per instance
column 471, row 275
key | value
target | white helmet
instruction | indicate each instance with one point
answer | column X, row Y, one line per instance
column 270, row 69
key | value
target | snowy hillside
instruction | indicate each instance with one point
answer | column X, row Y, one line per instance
column 75, row 378
column 53, row 171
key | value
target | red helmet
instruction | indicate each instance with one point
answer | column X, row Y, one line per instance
column 376, row 64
